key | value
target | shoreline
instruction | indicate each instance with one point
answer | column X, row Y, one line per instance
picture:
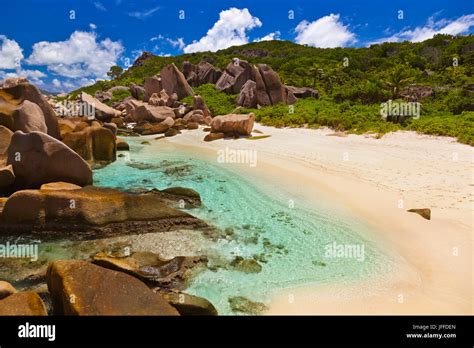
column 429, row 278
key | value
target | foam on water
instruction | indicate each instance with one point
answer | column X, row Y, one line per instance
column 259, row 222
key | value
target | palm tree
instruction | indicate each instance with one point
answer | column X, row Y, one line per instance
column 398, row 77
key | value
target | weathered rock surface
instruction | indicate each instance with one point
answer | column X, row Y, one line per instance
column 5, row 139
column 152, row 85
column 200, row 74
column 18, row 93
column 248, row 95
column 6, row 289
column 23, row 304
column 414, row 93
column 7, row 177
column 138, row 92
column 102, row 111
column 214, row 136
column 95, row 144
column 89, row 206
column 81, row 288
column 158, row 128
column 26, row 116
column 303, row 92
column 38, row 158
column 235, row 75
column 173, row 81
column 150, row 268
column 233, row 124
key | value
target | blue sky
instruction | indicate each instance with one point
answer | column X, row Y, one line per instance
column 63, row 44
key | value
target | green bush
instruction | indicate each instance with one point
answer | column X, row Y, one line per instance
column 219, row 103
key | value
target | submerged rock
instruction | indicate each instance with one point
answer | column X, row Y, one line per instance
column 149, row 267
column 26, row 303
column 190, row 305
column 246, row 265
column 81, row 288
column 241, row 304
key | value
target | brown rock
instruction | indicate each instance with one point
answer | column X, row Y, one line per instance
column 172, row 132
column 61, row 186
column 234, row 124
column 122, row 145
column 303, row 92
column 138, row 92
column 269, row 84
column 5, row 139
column 161, row 127
column 6, row 289
column 199, row 104
column 248, row 95
column 424, row 212
column 7, row 177
column 94, row 144
column 234, row 76
column 173, row 81
column 190, row 305
column 214, row 136
column 23, row 304
column 112, row 293
column 26, row 91
column 38, row 158
column 101, row 111
column 152, row 85
column 192, row 125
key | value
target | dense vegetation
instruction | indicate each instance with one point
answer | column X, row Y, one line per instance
column 352, row 83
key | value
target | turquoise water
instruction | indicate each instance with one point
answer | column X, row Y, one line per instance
column 259, row 219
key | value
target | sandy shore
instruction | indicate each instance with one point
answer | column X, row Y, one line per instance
column 378, row 180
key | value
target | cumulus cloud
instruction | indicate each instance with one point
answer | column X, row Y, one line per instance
column 11, row 53
column 432, row 27
column 34, row 76
column 230, row 30
column 325, row 32
column 56, row 83
column 271, row 36
column 143, row 14
column 79, row 56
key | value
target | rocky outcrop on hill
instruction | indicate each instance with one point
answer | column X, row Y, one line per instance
column 414, row 93
column 235, row 75
column 200, row 74
column 173, row 81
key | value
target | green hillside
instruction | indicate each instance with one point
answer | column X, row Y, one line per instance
column 352, row 82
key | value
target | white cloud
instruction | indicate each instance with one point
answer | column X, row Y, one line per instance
column 177, row 43
column 79, row 56
column 56, row 83
column 325, row 32
column 159, row 37
column 11, row 53
column 271, row 36
column 228, row 31
column 92, row 26
column 460, row 25
column 143, row 14
column 32, row 75
column 98, row 5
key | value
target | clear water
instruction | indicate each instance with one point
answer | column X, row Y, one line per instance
column 291, row 239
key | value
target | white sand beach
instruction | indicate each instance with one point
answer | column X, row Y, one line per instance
column 378, row 180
